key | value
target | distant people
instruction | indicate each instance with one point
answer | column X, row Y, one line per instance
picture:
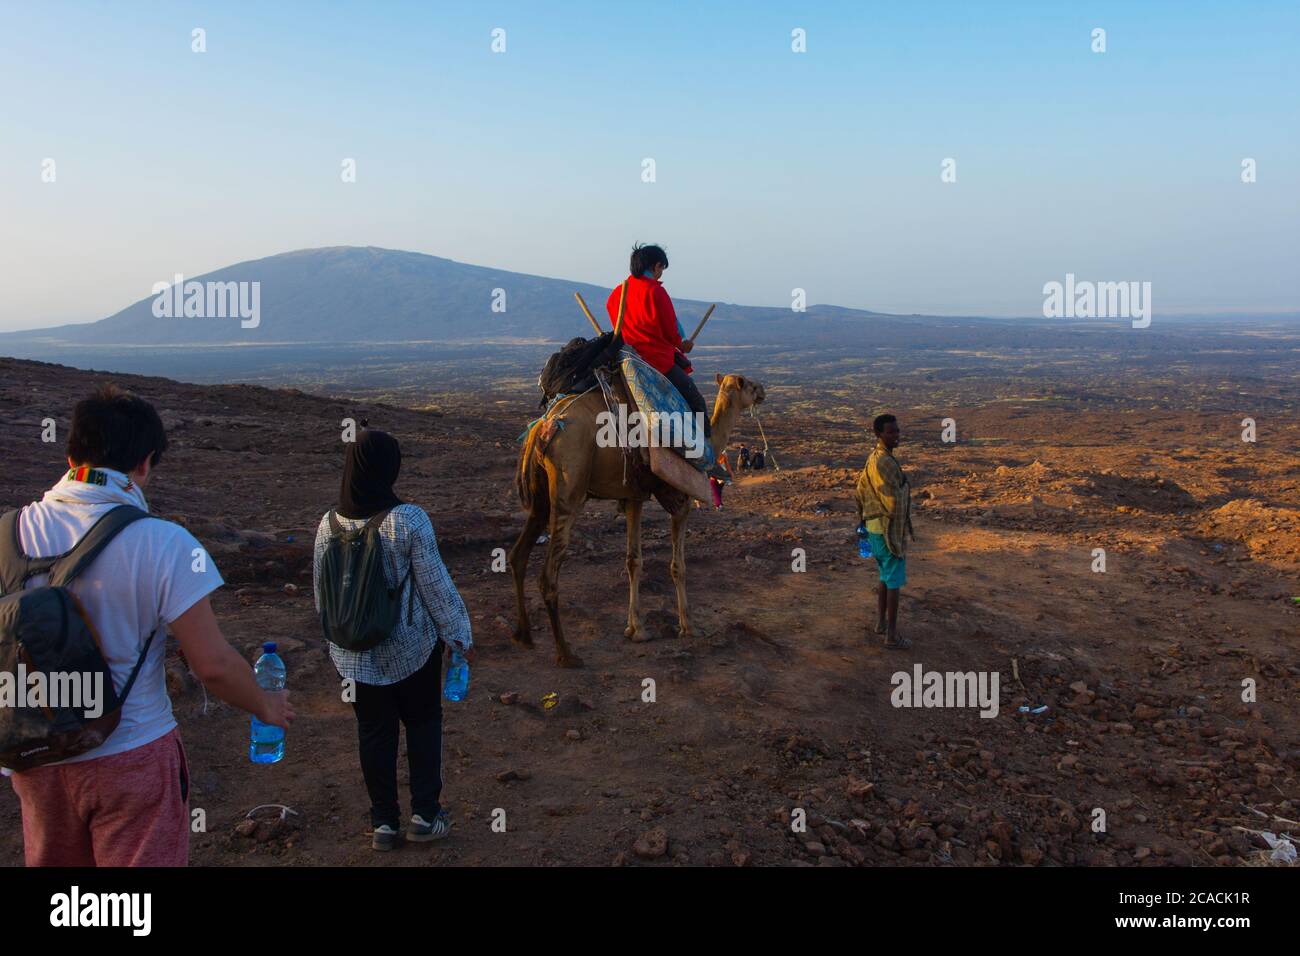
column 885, row 509
column 717, row 485
column 126, row 802
column 757, row 460
column 744, row 457
column 399, row 680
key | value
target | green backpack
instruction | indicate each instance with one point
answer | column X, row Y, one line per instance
column 45, row 630
column 358, row 610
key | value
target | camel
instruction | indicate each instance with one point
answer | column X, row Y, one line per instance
column 555, row 483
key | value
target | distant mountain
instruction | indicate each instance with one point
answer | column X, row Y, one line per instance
column 348, row 294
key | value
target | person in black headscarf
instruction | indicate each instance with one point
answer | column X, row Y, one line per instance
column 398, row 681
column 370, row 469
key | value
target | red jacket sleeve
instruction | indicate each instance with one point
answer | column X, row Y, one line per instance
column 666, row 316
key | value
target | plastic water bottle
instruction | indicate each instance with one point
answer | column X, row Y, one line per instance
column 266, row 741
column 457, row 684
column 864, row 542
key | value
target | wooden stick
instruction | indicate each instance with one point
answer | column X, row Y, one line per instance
column 587, row 312
column 622, row 301
column 708, row 312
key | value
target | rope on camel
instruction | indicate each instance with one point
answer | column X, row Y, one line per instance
column 767, row 455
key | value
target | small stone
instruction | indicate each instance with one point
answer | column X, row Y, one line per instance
column 859, row 789
column 852, row 854
column 652, row 844
column 1001, row 832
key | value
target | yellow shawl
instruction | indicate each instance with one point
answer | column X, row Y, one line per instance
column 882, row 492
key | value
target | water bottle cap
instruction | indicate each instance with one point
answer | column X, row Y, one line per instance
column 268, row 647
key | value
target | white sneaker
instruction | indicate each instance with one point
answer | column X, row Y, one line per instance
column 384, row 838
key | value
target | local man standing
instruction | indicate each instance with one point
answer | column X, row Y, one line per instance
column 884, row 508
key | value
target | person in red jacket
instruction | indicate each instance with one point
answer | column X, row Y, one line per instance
column 650, row 325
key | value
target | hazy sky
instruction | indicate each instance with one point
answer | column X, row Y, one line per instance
column 774, row 169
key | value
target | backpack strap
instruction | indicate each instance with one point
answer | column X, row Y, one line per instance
column 373, row 522
column 408, row 578
column 66, row 567
column 414, row 596
column 135, row 671
column 15, row 566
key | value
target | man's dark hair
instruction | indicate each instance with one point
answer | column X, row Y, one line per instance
column 645, row 258
column 881, row 421
column 115, row 429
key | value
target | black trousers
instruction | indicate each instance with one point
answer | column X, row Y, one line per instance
column 683, row 382
column 416, row 703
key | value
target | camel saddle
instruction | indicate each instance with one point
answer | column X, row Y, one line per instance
column 637, row 471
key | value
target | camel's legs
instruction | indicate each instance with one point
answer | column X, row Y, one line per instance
column 632, row 511
column 519, row 561
column 562, row 518
column 679, row 566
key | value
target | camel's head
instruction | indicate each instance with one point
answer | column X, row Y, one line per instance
column 747, row 392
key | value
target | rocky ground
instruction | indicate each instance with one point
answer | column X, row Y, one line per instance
column 781, row 702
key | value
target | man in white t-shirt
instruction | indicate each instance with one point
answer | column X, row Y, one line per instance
column 126, row 803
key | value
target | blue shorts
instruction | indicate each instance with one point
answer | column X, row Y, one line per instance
column 893, row 570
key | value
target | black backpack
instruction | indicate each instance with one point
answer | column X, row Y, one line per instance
column 571, row 369
column 358, row 610
column 46, row 630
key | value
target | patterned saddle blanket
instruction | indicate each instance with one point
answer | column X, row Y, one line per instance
column 666, row 418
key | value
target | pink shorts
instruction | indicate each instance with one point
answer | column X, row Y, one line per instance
column 128, row 809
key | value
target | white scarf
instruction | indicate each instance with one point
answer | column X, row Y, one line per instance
column 119, row 489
